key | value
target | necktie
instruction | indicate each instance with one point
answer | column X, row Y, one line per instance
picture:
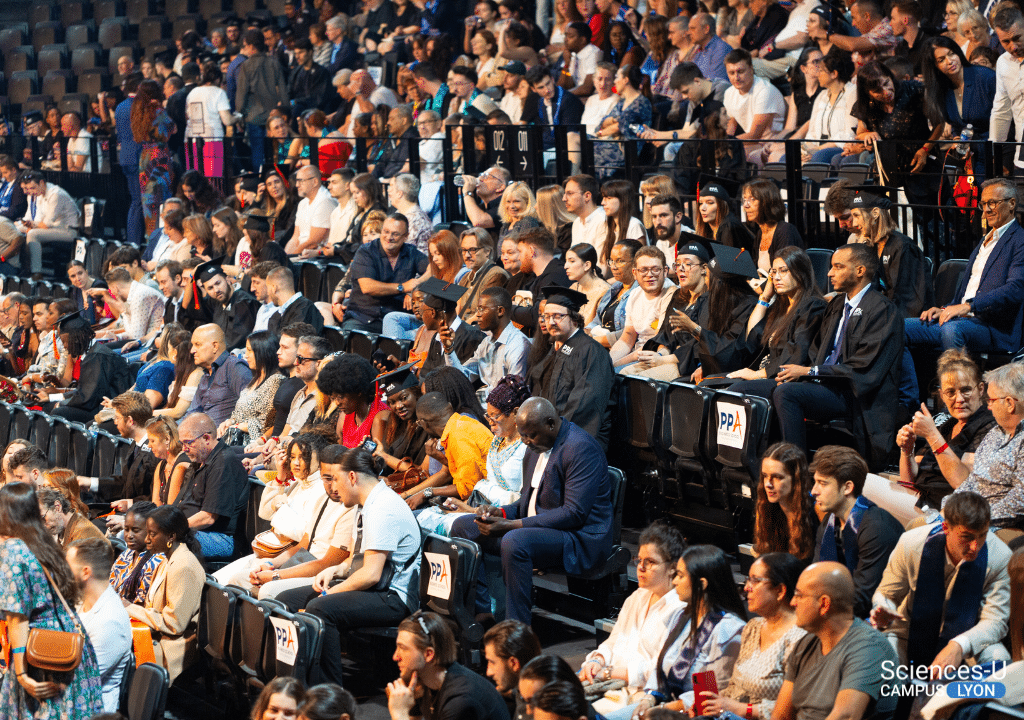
column 334, row 53
column 833, row 357
column 33, row 203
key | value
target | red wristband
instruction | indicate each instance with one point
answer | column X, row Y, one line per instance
column 504, row 514
column 750, row 711
column 941, row 449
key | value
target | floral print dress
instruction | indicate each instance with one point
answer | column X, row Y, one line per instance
column 26, row 591
column 155, row 175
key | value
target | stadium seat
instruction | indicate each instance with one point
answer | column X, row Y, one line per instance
column 448, row 578
column 184, row 23
column 821, row 262
column 176, row 8
column 112, row 32
column 104, row 455
column 159, row 46
column 147, row 695
column 40, row 12
column 684, row 432
column 138, row 10
column 254, row 524
column 21, row 423
column 776, row 172
column 337, row 338
column 36, row 102
column 74, row 102
column 10, row 38
column 47, row 33
column 640, row 404
column 399, row 347
column 72, row 12
column 6, row 412
column 22, row 85
column 858, row 173
column 276, row 7
column 92, row 82
column 311, row 280
column 218, row 614
column 41, row 431
column 80, row 451
column 946, row 280
column 362, row 343
column 107, row 9
column 60, row 442
column 304, row 642
column 84, row 58
column 333, row 273
column 153, row 28
column 52, row 57
column 20, row 59
column 248, row 644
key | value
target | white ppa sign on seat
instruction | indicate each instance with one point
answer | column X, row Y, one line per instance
column 440, row 583
column 732, row 422
column 286, row 639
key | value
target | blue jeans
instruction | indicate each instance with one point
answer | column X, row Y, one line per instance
column 215, row 545
column 256, row 134
column 135, row 229
column 400, row 326
column 964, row 332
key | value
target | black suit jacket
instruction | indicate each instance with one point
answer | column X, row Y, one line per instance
column 135, row 482
column 869, row 362
column 301, row 310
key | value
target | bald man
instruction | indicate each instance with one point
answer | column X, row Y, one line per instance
column 213, row 492
column 224, row 375
column 563, row 519
column 837, row 670
column 292, row 306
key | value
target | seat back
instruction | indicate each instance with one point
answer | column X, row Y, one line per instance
column 46, row 33
column 737, row 436
column 10, row 38
column 50, row 59
column 60, row 442
column 80, row 449
column 153, row 28
column 309, row 282
column 93, row 81
column 254, row 524
column 104, row 454
column 641, row 401
column 84, row 58
column 217, row 618
column 337, row 338
column 687, row 408
column 21, row 423
column 399, row 347
column 947, row 279
column 22, row 86
column 617, row 482
column 448, row 578
column 297, row 640
column 254, row 630
column 6, row 412
column 122, row 451
column 147, row 695
column 110, row 34
column 78, row 35
column 362, row 343
column 821, row 262
column 41, row 431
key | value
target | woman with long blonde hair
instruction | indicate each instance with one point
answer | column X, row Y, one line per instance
column 518, row 210
column 553, row 215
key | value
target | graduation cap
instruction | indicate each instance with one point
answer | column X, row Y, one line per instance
column 571, row 300
column 209, row 269
column 72, row 321
column 398, row 380
column 734, row 262
column 259, row 223
column 697, row 248
column 872, row 196
column 867, row 201
column 716, row 191
column 32, row 116
column 440, row 295
column 250, row 182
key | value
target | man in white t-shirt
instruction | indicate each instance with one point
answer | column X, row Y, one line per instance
column 313, row 216
column 581, row 197
column 644, row 310
column 579, row 60
column 604, row 98
column 346, row 209
column 756, row 109
column 79, row 155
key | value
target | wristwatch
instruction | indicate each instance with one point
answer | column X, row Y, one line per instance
column 401, row 288
column 675, row 135
column 276, row 575
column 428, row 493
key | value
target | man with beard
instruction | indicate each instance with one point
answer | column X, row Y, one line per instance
column 508, row 646
column 504, row 352
column 536, row 256
column 258, row 288
column 1008, row 104
column 233, row 310
column 576, row 375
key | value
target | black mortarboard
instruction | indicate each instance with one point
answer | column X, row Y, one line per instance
column 688, row 238
column 440, row 295
column 716, row 191
column 66, row 319
column 258, row 223
column 32, row 116
column 568, row 298
column 251, row 182
column 870, row 200
column 732, row 261
column 209, row 269
column 697, row 249
column 398, row 380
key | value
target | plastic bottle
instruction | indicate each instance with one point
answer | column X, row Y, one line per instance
column 965, row 136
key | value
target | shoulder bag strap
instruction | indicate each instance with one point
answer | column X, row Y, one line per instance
column 53, row 586
column 323, row 508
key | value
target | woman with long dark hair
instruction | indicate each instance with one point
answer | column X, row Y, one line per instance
column 784, row 519
column 632, row 112
column 366, row 191
column 133, row 572
column 584, row 274
column 404, row 441
column 257, row 398
column 151, row 128
column 197, row 194
column 781, row 326
column 716, row 222
column 279, row 204
column 765, row 211
column 619, row 201
column 707, row 635
column 227, row 228
column 186, row 379
column 34, row 572
column 172, row 604
column 279, row 700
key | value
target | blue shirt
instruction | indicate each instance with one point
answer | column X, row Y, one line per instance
column 711, row 60
column 128, row 153
column 231, row 80
column 371, row 262
column 220, row 387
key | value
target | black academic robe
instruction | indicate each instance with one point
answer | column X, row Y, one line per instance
column 578, row 379
column 237, row 318
column 103, row 373
column 903, row 275
column 870, row 364
column 682, row 344
column 465, row 340
column 793, row 346
column 733, row 233
column 720, row 353
column 135, row 482
column 301, row 310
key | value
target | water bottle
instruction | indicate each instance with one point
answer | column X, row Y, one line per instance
column 638, row 129
column 965, row 136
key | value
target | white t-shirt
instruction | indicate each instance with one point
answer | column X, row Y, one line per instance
column 341, row 220
column 584, row 63
column 593, row 230
column 797, row 24
column 314, row 215
column 202, row 107
column 636, row 231
column 763, row 99
column 512, row 106
column 79, row 147
column 597, row 110
column 644, row 314
column 110, row 629
column 431, row 157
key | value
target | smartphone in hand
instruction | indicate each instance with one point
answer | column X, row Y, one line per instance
column 703, row 682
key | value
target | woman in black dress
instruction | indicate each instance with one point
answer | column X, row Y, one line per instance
column 715, row 221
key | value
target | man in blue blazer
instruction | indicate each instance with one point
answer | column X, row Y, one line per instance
column 987, row 312
column 563, row 519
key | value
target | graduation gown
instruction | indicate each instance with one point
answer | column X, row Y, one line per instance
column 793, row 347
column 465, row 340
column 136, row 482
column 724, row 352
column 301, row 310
column 903, row 276
column 682, row 344
column 553, row 274
column 733, row 233
column 869, row 363
column 104, row 373
column 237, row 318
column 578, row 379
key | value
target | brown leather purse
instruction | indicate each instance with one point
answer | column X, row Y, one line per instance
column 269, row 544
column 410, row 478
column 55, row 650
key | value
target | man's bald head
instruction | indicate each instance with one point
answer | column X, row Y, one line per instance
column 207, row 345
column 434, row 411
column 536, row 410
column 539, row 424
column 196, row 424
column 198, row 434
column 834, row 580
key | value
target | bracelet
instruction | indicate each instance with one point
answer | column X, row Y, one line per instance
column 15, row 651
column 941, row 449
column 607, row 673
column 762, row 303
column 750, row 711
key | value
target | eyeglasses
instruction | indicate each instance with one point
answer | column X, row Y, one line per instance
column 188, row 443
column 298, row 180
column 493, row 419
column 470, row 251
column 649, row 270
column 753, row 580
column 992, row 204
column 689, row 265
column 779, row 272
column 299, row 360
column 964, row 392
column 553, row 317
column 991, row 400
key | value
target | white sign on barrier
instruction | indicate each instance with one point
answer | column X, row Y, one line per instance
column 732, row 421
column 80, row 249
column 440, row 583
column 287, row 642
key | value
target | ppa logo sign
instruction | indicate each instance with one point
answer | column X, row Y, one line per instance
column 439, row 584
column 287, row 644
column 732, row 422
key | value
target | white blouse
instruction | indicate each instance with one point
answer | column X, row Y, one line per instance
column 289, row 508
column 833, row 121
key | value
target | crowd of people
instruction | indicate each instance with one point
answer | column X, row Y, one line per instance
column 198, row 347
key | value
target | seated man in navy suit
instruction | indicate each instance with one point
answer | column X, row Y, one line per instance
column 988, row 309
column 564, row 516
